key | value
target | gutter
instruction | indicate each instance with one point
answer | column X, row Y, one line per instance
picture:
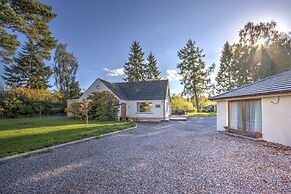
column 266, row 94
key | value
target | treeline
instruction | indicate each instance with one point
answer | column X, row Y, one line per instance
column 262, row 51
column 27, row 73
column 195, row 76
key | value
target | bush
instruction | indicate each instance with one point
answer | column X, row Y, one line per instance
column 180, row 104
column 17, row 102
column 103, row 106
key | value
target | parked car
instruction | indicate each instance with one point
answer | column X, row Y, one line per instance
column 209, row 108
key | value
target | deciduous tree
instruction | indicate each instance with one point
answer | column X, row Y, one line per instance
column 180, row 103
column 84, row 109
column 65, row 69
column 264, row 51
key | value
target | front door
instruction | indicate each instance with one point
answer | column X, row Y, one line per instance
column 123, row 111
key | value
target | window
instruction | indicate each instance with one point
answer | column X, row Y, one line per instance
column 254, row 116
column 158, row 106
column 144, row 107
column 235, row 109
column 245, row 115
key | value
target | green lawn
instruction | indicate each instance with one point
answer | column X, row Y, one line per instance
column 201, row 114
column 26, row 134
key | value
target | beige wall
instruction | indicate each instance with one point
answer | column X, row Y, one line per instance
column 69, row 106
column 276, row 120
column 222, row 118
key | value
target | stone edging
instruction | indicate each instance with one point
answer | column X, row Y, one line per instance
column 38, row 151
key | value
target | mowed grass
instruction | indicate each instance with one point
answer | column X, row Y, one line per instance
column 27, row 134
column 201, row 114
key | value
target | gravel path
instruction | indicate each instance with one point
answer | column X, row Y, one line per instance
column 170, row 157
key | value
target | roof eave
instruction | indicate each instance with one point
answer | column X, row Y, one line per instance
column 252, row 95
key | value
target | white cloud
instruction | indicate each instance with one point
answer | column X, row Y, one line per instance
column 88, row 71
column 173, row 75
column 115, row 72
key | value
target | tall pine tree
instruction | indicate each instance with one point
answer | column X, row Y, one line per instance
column 134, row 68
column 225, row 76
column 152, row 70
column 30, row 18
column 28, row 69
column 65, row 69
column 195, row 76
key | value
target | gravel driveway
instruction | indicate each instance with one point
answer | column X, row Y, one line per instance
column 170, row 157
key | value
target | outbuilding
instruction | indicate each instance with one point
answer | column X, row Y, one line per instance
column 261, row 109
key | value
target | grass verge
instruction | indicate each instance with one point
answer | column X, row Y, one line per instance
column 201, row 114
column 28, row 134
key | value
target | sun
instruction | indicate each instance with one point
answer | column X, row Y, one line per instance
column 261, row 41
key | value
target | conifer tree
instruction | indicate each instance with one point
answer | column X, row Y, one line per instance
column 134, row 68
column 152, row 71
column 28, row 69
column 225, row 76
column 29, row 18
column 65, row 69
column 195, row 76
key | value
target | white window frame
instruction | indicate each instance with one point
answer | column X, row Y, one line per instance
column 138, row 107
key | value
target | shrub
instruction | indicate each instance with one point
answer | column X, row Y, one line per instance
column 181, row 104
column 20, row 101
column 104, row 106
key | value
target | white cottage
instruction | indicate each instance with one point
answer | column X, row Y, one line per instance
column 261, row 109
column 145, row 100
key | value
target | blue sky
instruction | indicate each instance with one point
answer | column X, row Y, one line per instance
column 100, row 32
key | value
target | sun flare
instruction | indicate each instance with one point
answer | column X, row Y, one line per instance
column 261, row 41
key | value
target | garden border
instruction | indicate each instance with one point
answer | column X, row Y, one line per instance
column 42, row 150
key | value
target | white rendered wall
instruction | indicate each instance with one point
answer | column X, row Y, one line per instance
column 168, row 108
column 222, row 118
column 93, row 88
column 276, row 120
column 101, row 87
column 131, row 109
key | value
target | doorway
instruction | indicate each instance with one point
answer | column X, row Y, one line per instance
column 123, row 111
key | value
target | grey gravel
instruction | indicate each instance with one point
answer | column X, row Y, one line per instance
column 169, row 157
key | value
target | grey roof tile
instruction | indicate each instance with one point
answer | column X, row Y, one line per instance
column 144, row 90
column 279, row 83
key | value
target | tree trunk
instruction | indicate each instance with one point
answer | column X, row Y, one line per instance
column 196, row 98
column 40, row 110
column 87, row 118
column 197, row 101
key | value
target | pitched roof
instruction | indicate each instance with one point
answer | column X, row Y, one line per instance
column 144, row 90
column 279, row 83
column 115, row 89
